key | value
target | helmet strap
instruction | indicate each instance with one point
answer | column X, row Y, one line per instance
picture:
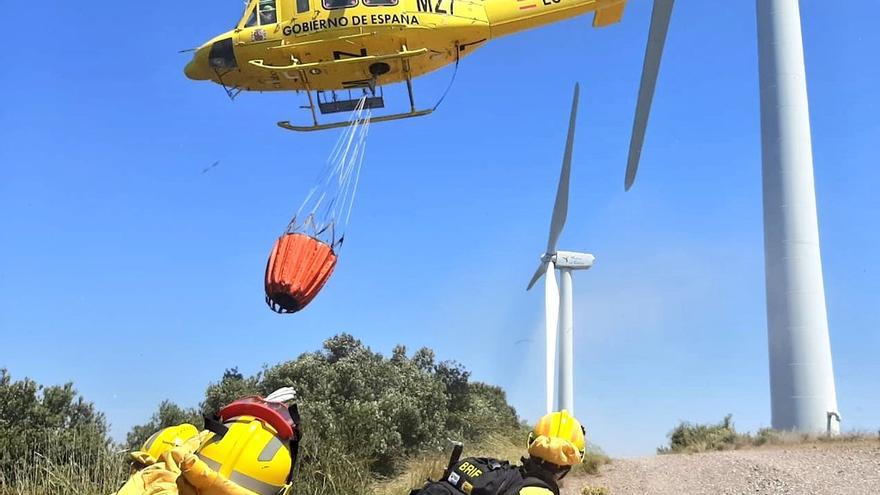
column 546, row 468
column 293, row 443
column 213, row 424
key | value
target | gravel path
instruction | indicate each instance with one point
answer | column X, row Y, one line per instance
column 839, row 469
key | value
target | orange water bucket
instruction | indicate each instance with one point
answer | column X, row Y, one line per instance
column 297, row 269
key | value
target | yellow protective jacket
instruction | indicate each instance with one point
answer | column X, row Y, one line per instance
column 535, row 490
column 178, row 471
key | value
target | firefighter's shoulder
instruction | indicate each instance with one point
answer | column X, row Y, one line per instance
column 534, row 490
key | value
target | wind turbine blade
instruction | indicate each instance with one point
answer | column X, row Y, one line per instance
column 540, row 271
column 653, row 52
column 560, row 209
column 551, row 320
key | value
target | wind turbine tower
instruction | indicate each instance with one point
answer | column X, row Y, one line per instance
column 802, row 392
column 558, row 305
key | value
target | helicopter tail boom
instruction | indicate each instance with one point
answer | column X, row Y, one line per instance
column 511, row 16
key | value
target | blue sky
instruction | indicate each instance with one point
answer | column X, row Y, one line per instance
column 126, row 270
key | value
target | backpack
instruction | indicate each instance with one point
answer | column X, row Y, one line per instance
column 483, row 476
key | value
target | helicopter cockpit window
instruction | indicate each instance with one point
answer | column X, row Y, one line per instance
column 302, row 6
column 339, row 4
column 378, row 3
column 268, row 13
column 252, row 18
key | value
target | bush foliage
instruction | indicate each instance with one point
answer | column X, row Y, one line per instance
column 52, row 440
column 169, row 414
column 371, row 409
column 692, row 437
column 593, row 461
column 364, row 415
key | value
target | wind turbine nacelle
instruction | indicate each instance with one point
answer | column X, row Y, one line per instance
column 574, row 261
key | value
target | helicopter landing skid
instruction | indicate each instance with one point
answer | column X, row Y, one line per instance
column 382, row 118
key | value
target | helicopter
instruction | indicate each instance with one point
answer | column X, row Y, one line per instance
column 323, row 47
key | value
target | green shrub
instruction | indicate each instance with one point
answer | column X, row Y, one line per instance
column 41, row 427
column 365, row 417
column 365, row 407
column 233, row 385
column 690, row 437
column 769, row 436
column 593, row 461
column 61, row 462
column 169, row 414
column 53, row 441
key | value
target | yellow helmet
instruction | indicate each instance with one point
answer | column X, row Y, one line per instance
column 254, row 445
column 167, row 438
column 558, row 438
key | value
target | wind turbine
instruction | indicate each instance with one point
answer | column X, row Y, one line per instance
column 558, row 312
column 802, row 391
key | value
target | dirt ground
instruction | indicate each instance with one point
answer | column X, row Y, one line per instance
column 814, row 469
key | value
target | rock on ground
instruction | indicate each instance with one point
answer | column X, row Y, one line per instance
column 815, row 469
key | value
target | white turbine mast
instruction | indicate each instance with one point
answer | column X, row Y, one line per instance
column 558, row 310
column 802, row 391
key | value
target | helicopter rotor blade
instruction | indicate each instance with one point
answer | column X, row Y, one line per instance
column 653, row 52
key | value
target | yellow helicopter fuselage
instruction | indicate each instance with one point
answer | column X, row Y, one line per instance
column 307, row 45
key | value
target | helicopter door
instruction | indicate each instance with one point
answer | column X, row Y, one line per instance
column 260, row 20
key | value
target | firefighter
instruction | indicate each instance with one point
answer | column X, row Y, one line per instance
column 248, row 449
column 557, row 442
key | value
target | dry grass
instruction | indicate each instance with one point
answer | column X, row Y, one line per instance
column 415, row 474
column 695, row 438
column 766, row 437
column 56, row 467
column 593, row 462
